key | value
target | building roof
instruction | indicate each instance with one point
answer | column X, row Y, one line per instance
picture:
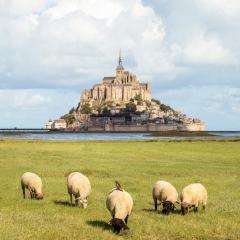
column 108, row 78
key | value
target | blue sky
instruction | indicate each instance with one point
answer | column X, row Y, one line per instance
column 188, row 50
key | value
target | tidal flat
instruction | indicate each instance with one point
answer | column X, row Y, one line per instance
column 137, row 165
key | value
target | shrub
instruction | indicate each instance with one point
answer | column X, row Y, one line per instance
column 138, row 97
column 86, row 109
column 165, row 108
column 148, row 103
column 156, row 101
column 71, row 110
column 131, row 107
column 69, row 118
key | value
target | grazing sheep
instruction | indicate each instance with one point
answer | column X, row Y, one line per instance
column 120, row 204
column 166, row 193
column 33, row 183
column 193, row 195
column 79, row 186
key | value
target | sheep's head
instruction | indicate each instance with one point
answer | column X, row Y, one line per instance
column 167, row 207
column 83, row 202
column 118, row 225
column 184, row 208
column 39, row 196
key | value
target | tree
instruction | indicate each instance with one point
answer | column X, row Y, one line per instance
column 138, row 97
column 69, row 118
column 156, row 101
column 148, row 103
column 131, row 107
column 165, row 108
column 71, row 110
column 86, row 109
column 105, row 111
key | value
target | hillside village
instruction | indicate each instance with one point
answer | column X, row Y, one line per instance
column 122, row 103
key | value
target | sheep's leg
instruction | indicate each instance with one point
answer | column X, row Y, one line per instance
column 76, row 202
column 195, row 208
column 70, row 195
column 31, row 193
column 126, row 219
column 23, row 190
column 204, row 206
column 155, row 203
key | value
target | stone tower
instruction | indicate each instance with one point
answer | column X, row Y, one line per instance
column 119, row 69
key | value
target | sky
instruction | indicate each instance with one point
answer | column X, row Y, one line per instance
column 51, row 50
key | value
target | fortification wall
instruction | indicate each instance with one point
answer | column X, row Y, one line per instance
column 147, row 128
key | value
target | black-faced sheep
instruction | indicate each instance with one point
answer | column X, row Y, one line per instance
column 167, row 194
column 192, row 196
column 120, row 204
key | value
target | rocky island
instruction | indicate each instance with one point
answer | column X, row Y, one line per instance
column 122, row 103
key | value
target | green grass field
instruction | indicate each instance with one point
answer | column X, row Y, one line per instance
column 136, row 165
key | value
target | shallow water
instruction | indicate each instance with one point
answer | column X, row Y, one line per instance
column 108, row 136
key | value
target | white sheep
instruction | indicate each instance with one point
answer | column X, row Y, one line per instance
column 193, row 195
column 167, row 194
column 120, row 204
column 79, row 186
column 33, row 183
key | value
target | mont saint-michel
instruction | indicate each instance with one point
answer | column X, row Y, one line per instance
column 122, row 103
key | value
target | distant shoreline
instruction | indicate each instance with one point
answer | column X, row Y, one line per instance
column 14, row 131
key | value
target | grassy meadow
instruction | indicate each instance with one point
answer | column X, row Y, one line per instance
column 136, row 165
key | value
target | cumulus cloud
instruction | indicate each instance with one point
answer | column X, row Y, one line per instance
column 177, row 46
column 32, row 108
column 207, row 50
column 224, row 8
column 71, row 42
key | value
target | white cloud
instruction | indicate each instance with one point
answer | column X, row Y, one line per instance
column 71, row 44
column 221, row 8
column 202, row 49
column 74, row 41
column 32, row 108
column 24, row 99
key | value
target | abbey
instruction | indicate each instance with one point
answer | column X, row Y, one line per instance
column 123, row 104
column 120, row 88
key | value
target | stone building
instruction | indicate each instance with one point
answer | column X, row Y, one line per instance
column 119, row 89
column 59, row 124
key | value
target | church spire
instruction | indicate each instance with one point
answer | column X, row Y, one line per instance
column 120, row 58
column 120, row 66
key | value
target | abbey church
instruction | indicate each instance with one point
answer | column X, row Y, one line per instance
column 119, row 89
column 122, row 103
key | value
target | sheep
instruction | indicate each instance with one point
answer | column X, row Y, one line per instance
column 166, row 193
column 33, row 183
column 79, row 186
column 193, row 195
column 119, row 203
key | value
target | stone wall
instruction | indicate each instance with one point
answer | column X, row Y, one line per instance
column 147, row 128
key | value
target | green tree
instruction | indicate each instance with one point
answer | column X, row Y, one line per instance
column 69, row 118
column 138, row 97
column 148, row 103
column 156, row 101
column 71, row 110
column 86, row 109
column 131, row 107
column 105, row 111
column 165, row 108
